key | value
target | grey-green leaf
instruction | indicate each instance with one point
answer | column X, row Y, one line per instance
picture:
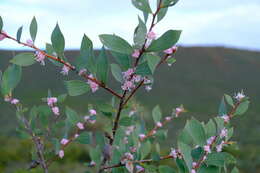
column 1, row 24
column 153, row 61
column 58, row 41
column 242, row 108
column 72, row 116
column 167, row 40
column 11, row 77
column 84, row 138
column 102, row 66
column 116, row 43
column 143, row 69
column 157, row 114
column 123, row 60
column 186, row 153
column 142, row 5
column 23, row 59
column 76, row 87
column 140, row 33
column 33, row 28
column 19, row 34
column 197, row 132
column 116, row 72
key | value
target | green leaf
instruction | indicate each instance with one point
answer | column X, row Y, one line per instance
column 165, row 169
column 184, row 136
column 196, row 131
column 152, row 60
column 235, row 170
column 116, row 43
column 220, row 159
column 186, row 153
column 84, row 138
column 167, row 40
column 143, row 69
column 142, row 5
column 220, row 123
column 122, row 59
column 1, row 24
column 208, row 169
column 145, row 149
column 126, row 121
column 157, row 114
column 116, row 72
column 33, row 28
column 72, row 116
column 197, row 153
column 102, row 66
column 222, row 108
column 62, row 98
column 229, row 100
column 11, row 78
column 95, row 155
column 210, row 128
column 170, row 61
column 182, row 168
column 86, row 58
column 19, row 34
column 76, row 87
column 242, row 108
column 161, row 14
column 168, row 3
column 58, row 41
column 140, row 33
column 23, row 59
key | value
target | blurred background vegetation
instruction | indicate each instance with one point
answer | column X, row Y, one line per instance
column 197, row 80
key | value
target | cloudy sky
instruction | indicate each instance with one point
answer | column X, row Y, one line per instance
column 231, row 23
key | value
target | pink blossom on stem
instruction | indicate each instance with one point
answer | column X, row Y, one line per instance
column 86, row 118
column 168, row 51
column 178, row 111
column 137, row 78
column 14, row 101
column 226, row 118
column 76, row 135
column 93, row 85
column 211, row 140
column 223, row 133
column 61, row 154
column 207, row 148
column 220, row 146
column 151, row 35
column 127, row 74
column 7, row 98
column 51, row 101
column 142, row 136
column 92, row 112
column 55, row 110
column 29, row 42
column 82, row 71
column 193, row 171
column 2, row 36
column 194, row 164
column 92, row 121
column 80, row 125
column 40, row 57
column 173, row 153
column 158, row 124
column 139, row 169
column 168, row 118
column 239, row 96
column 64, row 141
column 148, row 88
column 136, row 53
column 65, row 70
column 147, row 81
column 92, row 163
column 128, row 85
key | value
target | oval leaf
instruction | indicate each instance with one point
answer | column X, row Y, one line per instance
column 23, row 59
column 76, row 87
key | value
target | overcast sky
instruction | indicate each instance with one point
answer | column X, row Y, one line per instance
column 232, row 23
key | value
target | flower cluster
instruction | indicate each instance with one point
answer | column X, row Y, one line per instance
column 91, row 118
column 93, row 85
column 65, row 70
column 11, row 100
column 40, row 57
column 171, row 50
column 51, row 101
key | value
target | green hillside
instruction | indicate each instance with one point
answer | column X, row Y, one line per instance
column 197, row 80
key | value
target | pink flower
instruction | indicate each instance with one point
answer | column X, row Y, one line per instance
column 64, row 141
column 168, row 118
column 128, row 85
column 142, row 136
column 210, row 140
column 65, row 70
column 129, row 156
column 14, row 101
column 82, row 71
column 2, row 36
column 136, row 53
column 76, row 135
column 80, row 125
column 40, row 57
column 61, row 154
column 139, row 169
column 239, row 96
column 125, row 140
column 86, row 118
column 194, row 164
column 153, row 132
column 148, row 88
column 51, row 101
column 223, row 133
column 137, row 78
column 219, row 148
column 159, row 124
column 29, row 42
column 147, row 81
column 133, row 149
column 92, row 112
column 92, row 163
column 129, row 130
column 174, row 153
column 7, row 98
column 93, row 85
column 55, row 110
column 207, row 148
column 92, row 121
column 168, row 51
column 193, row 171
column 178, row 111
column 127, row 74
column 226, row 118
column 151, row 35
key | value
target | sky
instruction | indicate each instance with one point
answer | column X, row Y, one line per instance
column 229, row 23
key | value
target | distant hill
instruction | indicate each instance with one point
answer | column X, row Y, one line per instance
column 197, row 80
